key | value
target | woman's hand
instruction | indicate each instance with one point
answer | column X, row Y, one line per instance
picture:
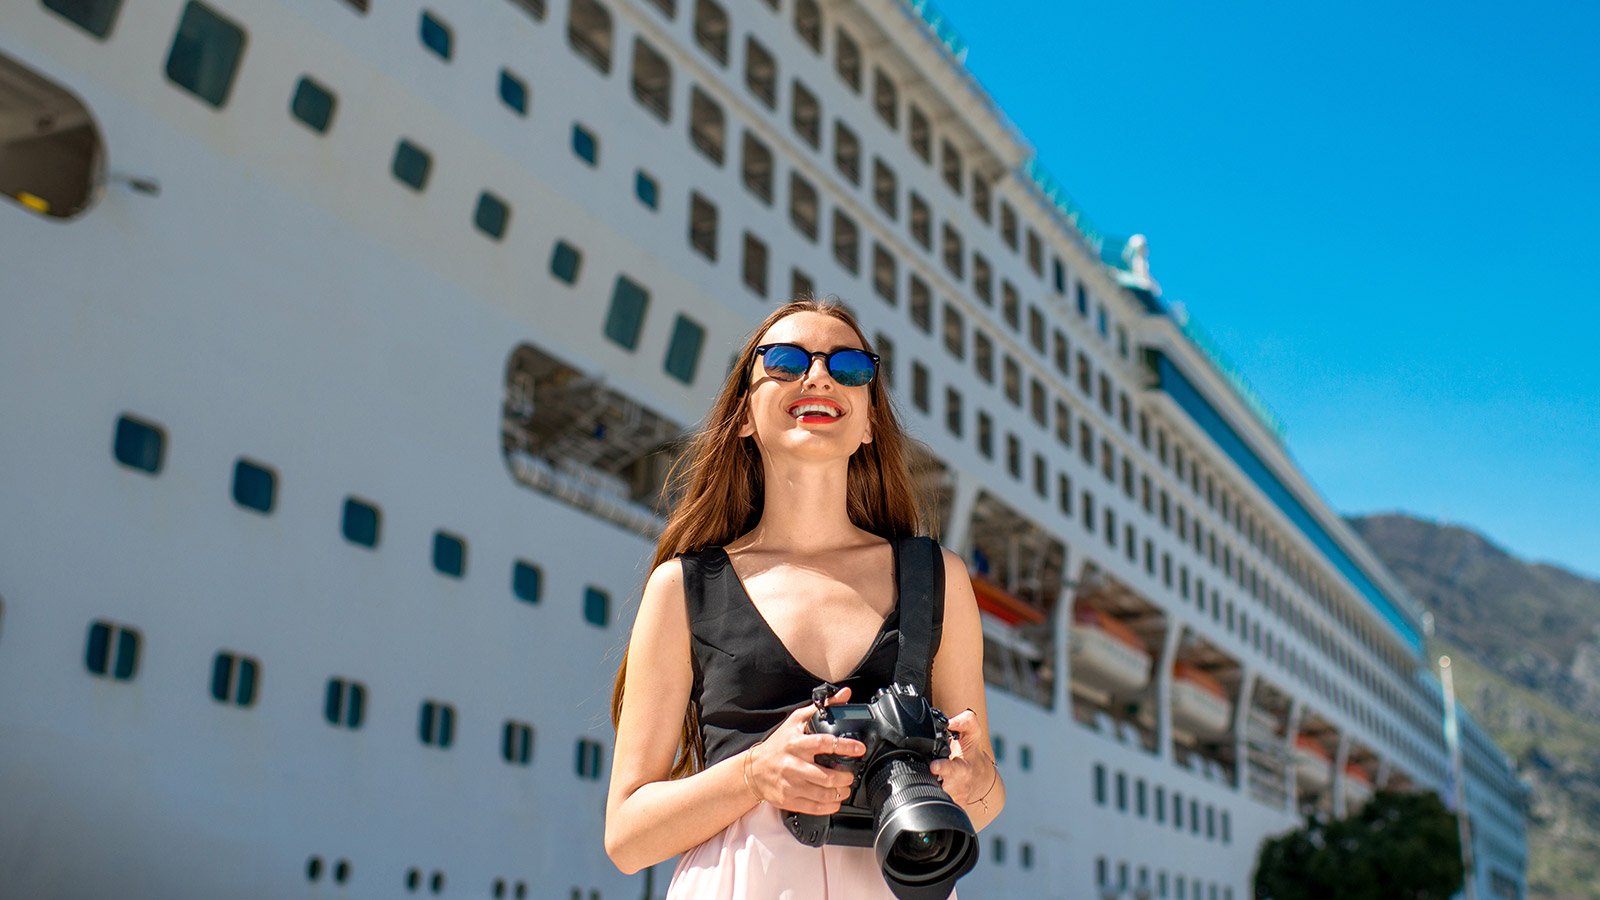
column 782, row 770
column 970, row 772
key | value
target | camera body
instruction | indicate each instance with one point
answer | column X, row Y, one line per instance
column 896, row 722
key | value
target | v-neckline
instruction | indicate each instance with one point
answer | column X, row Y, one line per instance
column 877, row 639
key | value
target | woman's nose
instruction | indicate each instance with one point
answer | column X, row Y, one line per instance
column 818, row 368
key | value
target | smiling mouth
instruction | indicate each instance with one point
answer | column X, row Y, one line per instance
column 815, row 411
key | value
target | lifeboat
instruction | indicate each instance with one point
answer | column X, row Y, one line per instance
column 1106, row 654
column 1312, row 764
column 1199, row 701
column 1010, row 609
column 1357, row 787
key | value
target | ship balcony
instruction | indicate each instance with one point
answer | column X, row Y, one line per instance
column 1017, row 575
column 1357, row 788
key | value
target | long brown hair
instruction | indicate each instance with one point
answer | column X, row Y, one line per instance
column 720, row 482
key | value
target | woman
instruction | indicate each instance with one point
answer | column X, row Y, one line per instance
column 793, row 491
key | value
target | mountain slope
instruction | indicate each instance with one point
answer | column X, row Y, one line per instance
column 1526, row 641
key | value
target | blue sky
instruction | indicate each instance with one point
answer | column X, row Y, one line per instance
column 1384, row 213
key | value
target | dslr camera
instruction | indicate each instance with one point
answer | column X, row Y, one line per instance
column 923, row 840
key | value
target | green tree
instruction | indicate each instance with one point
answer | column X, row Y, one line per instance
column 1400, row 846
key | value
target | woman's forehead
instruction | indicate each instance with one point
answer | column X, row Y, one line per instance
column 813, row 330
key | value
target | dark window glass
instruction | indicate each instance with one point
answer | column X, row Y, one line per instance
column 98, row 649
column 950, row 164
column 93, row 16
column 952, row 411
column 411, row 165
column 360, row 522
column 565, row 260
column 711, row 30
column 707, row 125
column 921, row 221
column 755, row 264
column 313, row 104
column 846, row 242
column 253, row 486
column 885, row 273
column 646, row 189
column 493, row 216
column 436, row 35
column 652, row 80
column 596, row 606
column 527, row 581
column 921, row 304
column 589, row 32
column 808, row 23
column 449, row 554
column 139, row 444
column 513, row 92
column 807, row 115
column 585, row 145
column 803, row 205
column 847, row 59
column 625, row 321
column 757, row 165
column 920, row 134
column 205, row 53
column 846, row 152
column 683, row 353
column 919, row 386
column 668, row 8
column 885, row 99
column 516, row 746
column 761, row 73
column 703, row 226
column 885, row 188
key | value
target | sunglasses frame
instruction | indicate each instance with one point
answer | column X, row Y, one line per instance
column 827, row 359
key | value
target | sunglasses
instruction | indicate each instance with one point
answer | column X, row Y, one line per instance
column 790, row 362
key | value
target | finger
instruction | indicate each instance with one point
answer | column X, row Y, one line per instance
column 842, row 696
column 826, row 778
column 827, row 743
column 964, row 721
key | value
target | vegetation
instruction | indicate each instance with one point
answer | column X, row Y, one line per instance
column 1400, row 846
column 1525, row 643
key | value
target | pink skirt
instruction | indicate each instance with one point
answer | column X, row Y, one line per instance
column 756, row 858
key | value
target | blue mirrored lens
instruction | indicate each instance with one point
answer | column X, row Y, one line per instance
column 851, row 368
column 785, row 362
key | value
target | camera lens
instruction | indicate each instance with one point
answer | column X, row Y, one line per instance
column 924, row 841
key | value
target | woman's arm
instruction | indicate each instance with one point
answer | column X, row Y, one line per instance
column 651, row 818
column 970, row 775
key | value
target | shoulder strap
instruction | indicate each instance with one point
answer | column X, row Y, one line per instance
column 919, row 581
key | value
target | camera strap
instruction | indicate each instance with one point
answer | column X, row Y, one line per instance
column 919, row 584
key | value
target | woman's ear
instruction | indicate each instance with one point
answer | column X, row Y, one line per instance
column 747, row 428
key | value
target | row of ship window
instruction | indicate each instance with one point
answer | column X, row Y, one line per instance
column 205, row 56
column 140, row 444
column 1145, row 800
column 416, row 880
column 112, row 651
column 1181, row 888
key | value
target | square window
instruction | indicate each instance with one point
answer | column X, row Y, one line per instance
column 565, row 260
column 808, row 23
column 436, row 35
column 585, row 145
column 527, row 581
column 646, row 189
column 652, row 80
column 596, row 606
column 756, row 162
column 139, row 444
column 755, row 264
column 411, row 165
column 707, row 125
column 93, row 16
column 313, row 104
column 847, row 59
column 683, row 353
column 703, row 226
column 493, row 216
column 626, row 318
column 253, row 486
column 205, row 53
column 449, row 554
column 761, row 73
column 807, row 116
column 803, row 205
column 711, row 30
column 360, row 522
column 513, row 92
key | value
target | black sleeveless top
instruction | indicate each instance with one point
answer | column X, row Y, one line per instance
column 745, row 680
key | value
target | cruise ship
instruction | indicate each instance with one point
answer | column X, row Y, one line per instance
column 345, row 347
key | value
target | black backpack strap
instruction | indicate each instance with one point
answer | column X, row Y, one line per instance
column 919, row 582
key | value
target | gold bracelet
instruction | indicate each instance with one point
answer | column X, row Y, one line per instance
column 749, row 760
column 992, row 782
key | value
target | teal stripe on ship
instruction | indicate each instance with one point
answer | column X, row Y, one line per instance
column 1188, row 397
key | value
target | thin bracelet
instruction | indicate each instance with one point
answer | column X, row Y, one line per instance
column 749, row 760
column 992, row 782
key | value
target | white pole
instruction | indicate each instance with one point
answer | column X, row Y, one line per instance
column 1458, row 779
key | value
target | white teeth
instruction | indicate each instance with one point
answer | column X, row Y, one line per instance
column 806, row 409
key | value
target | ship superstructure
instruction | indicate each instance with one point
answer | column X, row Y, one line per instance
column 347, row 346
